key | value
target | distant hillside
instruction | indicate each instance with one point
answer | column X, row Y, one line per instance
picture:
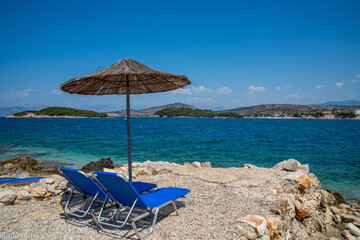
column 59, row 112
column 188, row 112
column 344, row 103
column 287, row 109
column 148, row 112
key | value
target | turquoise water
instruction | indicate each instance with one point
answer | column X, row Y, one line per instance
column 330, row 147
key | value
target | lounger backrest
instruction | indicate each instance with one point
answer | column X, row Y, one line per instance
column 82, row 182
column 119, row 188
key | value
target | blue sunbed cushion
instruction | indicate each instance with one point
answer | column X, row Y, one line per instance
column 126, row 193
column 19, row 180
column 82, row 182
column 159, row 197
column 120, row 190
column 143, row 186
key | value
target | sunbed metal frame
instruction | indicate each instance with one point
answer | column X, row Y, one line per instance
column 128, row 220
column 82, row 210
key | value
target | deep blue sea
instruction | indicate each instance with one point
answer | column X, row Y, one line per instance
column 330, row 147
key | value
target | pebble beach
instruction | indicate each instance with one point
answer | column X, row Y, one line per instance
column 288, row 204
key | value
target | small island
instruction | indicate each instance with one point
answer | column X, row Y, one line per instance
column 188, row 112
column 59, row 112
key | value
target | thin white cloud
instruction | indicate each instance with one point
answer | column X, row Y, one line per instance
column 339, row 84
column 201, row 90
column 197, row 99
column 358, row 75
column 282, row 87
column 354, row 81
column 292, row 96
column 319, row 86
column 252, row 89
column 223, row 91
column 17, row 94
column 56, row 92
column 182, row 91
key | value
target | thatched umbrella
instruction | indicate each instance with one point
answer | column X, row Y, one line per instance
column 125, row 77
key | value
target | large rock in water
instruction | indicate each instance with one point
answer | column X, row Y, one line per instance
column 98, row 165
column 21, row 164
column 292, row 165
column 339, row 199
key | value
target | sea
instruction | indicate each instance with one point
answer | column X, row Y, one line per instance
column 330, row 147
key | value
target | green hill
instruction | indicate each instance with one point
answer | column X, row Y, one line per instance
column 188, row 112
column 62, row 112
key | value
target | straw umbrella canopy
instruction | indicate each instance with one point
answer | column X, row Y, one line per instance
column 126, row 77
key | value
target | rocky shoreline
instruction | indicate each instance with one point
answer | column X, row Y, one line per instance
column 283, row 202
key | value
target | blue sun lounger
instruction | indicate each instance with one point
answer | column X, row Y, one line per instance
column 19, row 180
column 89, row 189
column 124, row 193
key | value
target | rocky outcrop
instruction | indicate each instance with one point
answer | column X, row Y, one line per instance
column 309, row 212
column 98, row 165
column 21, row 164
column 304, row 210
column 339, row 199
column 293, row 166
column 27, row 167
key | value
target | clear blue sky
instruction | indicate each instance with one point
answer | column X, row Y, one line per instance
column 237, row 53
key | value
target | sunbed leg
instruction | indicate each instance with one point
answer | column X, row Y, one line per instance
column 116, row 212
column 65, row 213
column 175, row 208
column 96, row 220
column 83, row 211
column 85, row 203
column 92, row 202
column 133, row 224
column 101, row 210
column 186, row 203
column 65, row 208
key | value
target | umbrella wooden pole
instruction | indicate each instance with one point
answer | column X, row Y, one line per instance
column 128, row 127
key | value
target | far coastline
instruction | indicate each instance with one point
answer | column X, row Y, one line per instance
column 179, row 110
